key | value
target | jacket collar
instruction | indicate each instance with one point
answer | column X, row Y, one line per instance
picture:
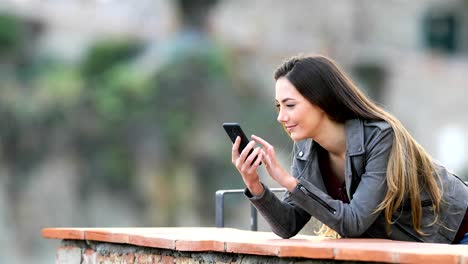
column 354, row 137
column 354, row 141
column 305, row 148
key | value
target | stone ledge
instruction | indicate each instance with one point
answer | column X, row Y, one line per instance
column 228, row 240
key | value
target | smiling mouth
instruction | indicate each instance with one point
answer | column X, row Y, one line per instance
column 289, row 128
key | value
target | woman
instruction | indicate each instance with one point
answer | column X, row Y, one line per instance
column 355, row 167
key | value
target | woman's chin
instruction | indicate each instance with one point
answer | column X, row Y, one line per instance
column 296, row 137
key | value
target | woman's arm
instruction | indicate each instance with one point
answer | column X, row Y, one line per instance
column 285, row 218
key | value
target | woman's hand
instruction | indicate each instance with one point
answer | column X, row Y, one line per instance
column 247, row 167
column 272, row 166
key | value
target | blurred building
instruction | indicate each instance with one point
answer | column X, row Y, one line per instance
column 411, row 57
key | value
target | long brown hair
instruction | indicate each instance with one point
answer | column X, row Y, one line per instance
column 410, row 169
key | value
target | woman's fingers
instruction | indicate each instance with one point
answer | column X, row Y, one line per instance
column 256, row 163
column 261, row 141
column 246, row 150
column 250, row 158
column 267, row 146
column 239, row 160
column 235, row 149
column 249, row 162
column 268, row 151
column 266, row 159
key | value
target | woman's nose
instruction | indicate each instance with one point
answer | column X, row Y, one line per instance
column 281, row 117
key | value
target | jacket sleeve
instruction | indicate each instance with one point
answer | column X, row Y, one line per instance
column 353, row 219
column 285, row 218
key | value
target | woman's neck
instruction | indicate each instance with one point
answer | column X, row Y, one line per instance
column 332, row 137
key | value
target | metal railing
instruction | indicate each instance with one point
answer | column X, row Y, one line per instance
column 253, row 211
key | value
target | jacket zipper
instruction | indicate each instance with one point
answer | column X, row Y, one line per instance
column 317, row 199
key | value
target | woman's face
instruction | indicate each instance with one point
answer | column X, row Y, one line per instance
column 301, row 118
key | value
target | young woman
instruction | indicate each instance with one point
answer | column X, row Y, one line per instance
column 355, row 167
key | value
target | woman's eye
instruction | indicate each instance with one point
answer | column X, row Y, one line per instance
column 290, row 105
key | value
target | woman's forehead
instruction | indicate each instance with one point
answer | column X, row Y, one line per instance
column 284, row 89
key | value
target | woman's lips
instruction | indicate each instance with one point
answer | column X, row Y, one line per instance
column 290, row 128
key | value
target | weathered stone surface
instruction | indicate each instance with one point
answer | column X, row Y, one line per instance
column 68, row 255
column 77, row 252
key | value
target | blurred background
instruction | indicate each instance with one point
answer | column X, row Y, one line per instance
column 111, row 110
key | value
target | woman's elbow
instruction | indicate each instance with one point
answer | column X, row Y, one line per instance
column 285, row 234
